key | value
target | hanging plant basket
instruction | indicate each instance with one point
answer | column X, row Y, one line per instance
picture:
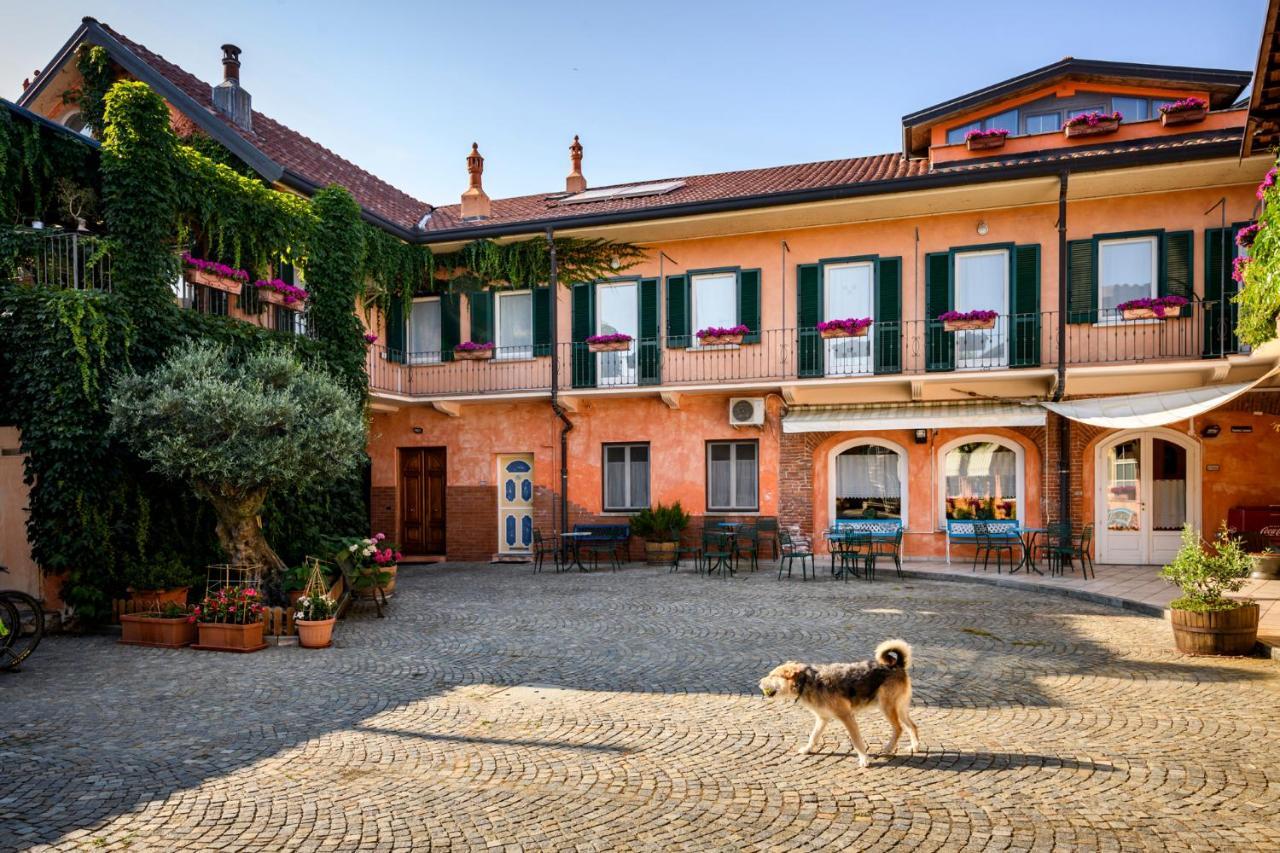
column 226, row 637
column 612, row 346
column 217, row 282
column 473, row 354
column 152, row 629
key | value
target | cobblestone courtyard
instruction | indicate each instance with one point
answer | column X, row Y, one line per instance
column 618, row 711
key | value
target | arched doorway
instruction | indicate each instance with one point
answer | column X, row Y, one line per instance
column 1147, row 486
column 868, row 479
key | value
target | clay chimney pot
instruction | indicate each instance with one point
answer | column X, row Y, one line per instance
column 575, row 183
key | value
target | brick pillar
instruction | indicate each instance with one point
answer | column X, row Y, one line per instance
column 795, row 478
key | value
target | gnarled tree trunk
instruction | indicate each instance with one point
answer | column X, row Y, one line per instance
column 239, row 531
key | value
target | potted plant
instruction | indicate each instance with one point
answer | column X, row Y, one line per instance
column 1147, row 308
column 962, row 321
column 660, row 528
column 170, row 627
column 978, row 140
column 850, row 328
column 1265, row 563
column 1205, row 621
column 1185, row 111
column 158, row 581
column 372, row 563
column 617, row 342
column 1092, row 124
column 279, row 292
column 295, row 582
column 472, row 351
column 230, row 620
column 213, row 274
column 715, row 336
column 314, row 616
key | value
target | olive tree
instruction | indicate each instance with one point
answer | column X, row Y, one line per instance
column 234, row 428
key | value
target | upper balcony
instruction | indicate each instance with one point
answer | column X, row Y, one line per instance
column 1018, row 343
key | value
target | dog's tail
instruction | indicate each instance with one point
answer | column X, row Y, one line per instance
column 894, row 653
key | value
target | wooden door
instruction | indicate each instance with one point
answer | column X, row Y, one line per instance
column 422, row 501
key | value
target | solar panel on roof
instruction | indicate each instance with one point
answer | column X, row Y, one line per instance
column 632, row 191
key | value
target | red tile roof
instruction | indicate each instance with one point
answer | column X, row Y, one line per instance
column 292, row 150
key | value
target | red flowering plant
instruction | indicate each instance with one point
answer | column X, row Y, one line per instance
column 241, row 605
column 1092, row 119
column 1184, row 105
column 1158, row 305
column 368, row 561
column 849, row 326
column 214, row 268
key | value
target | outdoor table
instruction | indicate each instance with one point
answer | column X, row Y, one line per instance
column 840, row 541
column 1028, row 535
column 571, row 547
column 730, row 543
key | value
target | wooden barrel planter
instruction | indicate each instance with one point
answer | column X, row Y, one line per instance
column 660, row 553
column 1216, row 632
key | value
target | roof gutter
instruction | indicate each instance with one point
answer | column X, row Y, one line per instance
column 937, row 180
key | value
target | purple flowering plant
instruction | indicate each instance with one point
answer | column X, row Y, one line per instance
column 1246, row 235
column 1185, row 105
column 722, row 332
column 851, row 325
column 370, row 337
column 1238, row 267
column 615, row 338
column 472, row 346
column 1268, row 182
column 965, row 316
column 290, row 292
column 1158, row 304
column 214, row 268
column 1092, row 119
column 985, row 134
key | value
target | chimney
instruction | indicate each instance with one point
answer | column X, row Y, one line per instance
column 229, row 99
column 475, row 204
column 575, row 183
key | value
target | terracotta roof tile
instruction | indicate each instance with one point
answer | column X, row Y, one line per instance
column 292, row 150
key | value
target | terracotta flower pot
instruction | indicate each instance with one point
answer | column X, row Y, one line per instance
column 1150, row 313
column 1106, row 125
column 720, row 340
column 982, row 143
column 841, row 333
column 224, row 637
column 473, row 354
column 967, row 325
column 208, row 279
column 1182, row 117
column 315, row 634
column 159, row 597
column 149, row 629
column 294, row 595
column 614, row 346
column 1216, row 632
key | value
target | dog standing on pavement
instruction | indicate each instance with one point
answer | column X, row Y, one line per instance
column 838, row 691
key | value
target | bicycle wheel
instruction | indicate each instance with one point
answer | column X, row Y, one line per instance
column 26, row 630
column 10, row 629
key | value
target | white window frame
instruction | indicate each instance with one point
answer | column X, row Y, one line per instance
column 733, row 477
column 1020, row 484
column 904, row 480
column 414, row 356
column 504, row 351
column 1001, row 328
column 1154, row 242
column 625, row 360
column 627, row 447
column 835, row 362
column 694, row 324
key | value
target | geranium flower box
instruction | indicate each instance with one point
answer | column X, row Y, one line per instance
column 981, row 140
column 851, row 328
column 715, row 336
column 1092, row 124
column 970, row 321
column 473, row 352
column 154, row 629
column 609, row 343
column 213, row 274
column 1160, row 308
column 1185, row 111
column 217, row 282
column 229, row 637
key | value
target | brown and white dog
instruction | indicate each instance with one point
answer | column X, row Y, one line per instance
column 838, row 691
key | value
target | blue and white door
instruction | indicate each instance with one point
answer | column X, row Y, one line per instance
column 515, row 503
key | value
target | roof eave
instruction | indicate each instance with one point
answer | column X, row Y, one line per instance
column 49, row 123
column 305, row 185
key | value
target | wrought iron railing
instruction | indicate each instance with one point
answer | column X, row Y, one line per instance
column 61, row 259
column 1013, row 342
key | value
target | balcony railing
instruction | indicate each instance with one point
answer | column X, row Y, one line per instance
column 914, row 347
column 62, row 259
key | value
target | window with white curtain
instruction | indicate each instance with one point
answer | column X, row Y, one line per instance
column 981, row 481
column 867, row 483
column 733, row 476
column 848, row 292
column 1126, row 270
column 982, row 284
column 626, row 477
column 715, row 301
column 514, row 323
column 424, row 331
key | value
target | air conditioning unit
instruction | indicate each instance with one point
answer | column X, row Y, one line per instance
column 746, row 411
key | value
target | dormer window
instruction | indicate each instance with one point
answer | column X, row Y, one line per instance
column 1007, row 120
column 1047, row 114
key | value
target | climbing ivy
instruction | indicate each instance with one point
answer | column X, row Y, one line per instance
column 33, row 157
column 334, row 264
column 1259, row 297
column 99, row 74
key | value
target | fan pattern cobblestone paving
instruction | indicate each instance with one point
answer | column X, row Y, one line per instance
column 495, row 708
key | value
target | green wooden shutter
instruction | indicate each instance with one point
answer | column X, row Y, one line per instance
column 450, row 324
column 395, row 332
column 1176, row 280
column 677, row 310
column 1082, row 282
column 939, row 345
column 808, row 315
column 584, row 325
column 481, row 303
column 886, row 327
column 542, row 321
column 1219, row 289
column 1024, row 302
column 648, row 351
column 749, row 304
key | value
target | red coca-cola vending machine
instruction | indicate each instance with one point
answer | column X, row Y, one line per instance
column 1260, row 525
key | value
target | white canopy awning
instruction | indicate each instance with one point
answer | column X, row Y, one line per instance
column 1142, row 411
column 968, row 414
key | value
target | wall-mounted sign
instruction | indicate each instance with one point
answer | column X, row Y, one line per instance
column 1213, row 467
column 1245, row 428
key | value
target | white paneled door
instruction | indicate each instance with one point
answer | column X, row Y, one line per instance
column 515, row 503
column 1148, row 487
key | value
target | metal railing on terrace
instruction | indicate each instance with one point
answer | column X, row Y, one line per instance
column 62, row 259
column 1013, row 342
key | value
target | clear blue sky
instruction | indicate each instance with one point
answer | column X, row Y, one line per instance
column 656, row 89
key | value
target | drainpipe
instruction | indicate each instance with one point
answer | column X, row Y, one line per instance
column 1064, row 424
column 553, row 295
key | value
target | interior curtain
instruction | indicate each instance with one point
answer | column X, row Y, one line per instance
column 867, row 475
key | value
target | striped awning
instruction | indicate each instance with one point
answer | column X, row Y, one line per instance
column 875, row 416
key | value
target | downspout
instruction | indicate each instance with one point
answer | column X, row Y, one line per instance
column 553, row 286
column 1064, row 424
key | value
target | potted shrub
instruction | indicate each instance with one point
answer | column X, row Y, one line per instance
column 660, row 528
column 1205, row 621
column 213, row 274
column 1092, row 124
column 617, row 342
column 472, row 351
column 1265, row 563
column 1185, row 111
column 1159, row 308
column 715, row 336
column 170, row 627
column 159, row 581
column 314, row 616
column 279, row 292
column 230, row 620
column 978, row 140
column 850, row 328
column 962, row 321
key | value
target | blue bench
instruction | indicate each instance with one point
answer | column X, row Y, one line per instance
column 878, row 528
column 962, row 530
column 605, row 538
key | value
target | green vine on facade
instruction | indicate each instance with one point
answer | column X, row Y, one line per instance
column 1259, row 297
column 98, row 73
